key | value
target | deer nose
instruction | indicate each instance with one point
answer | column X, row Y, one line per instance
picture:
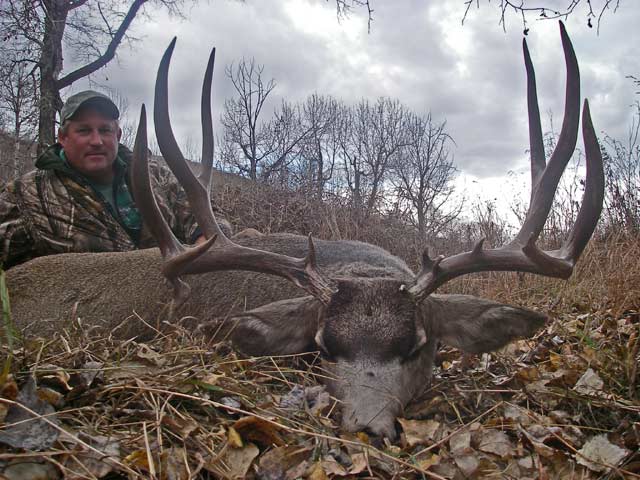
column 376, row 428
column 389, row 431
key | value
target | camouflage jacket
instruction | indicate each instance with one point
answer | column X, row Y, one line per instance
column 53, row 210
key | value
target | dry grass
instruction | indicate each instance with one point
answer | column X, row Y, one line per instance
column 177, row 407
column 607, row 277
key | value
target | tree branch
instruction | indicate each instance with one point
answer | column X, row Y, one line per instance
column 108, row 54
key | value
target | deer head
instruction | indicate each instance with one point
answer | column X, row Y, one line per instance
column 375, row 322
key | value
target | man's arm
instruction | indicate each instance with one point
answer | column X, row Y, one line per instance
column 16, row 245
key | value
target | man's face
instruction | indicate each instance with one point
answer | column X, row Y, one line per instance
column 90, row 143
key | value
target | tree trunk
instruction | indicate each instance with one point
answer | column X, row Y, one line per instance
column 320, row 172
column 421, row 223
column 16, row 157
column 50, row 67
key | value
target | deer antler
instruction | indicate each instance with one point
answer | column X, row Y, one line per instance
column 218, row 252
column 522, row 254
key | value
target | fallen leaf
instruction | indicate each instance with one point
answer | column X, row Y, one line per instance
column 172, row 464
column 446, row 469
column 89, row 373
column 53, row 376
column 299, row 471
column 560, row 416
column 213, row 378
column 599, row 454
column 497, row 443
column 528, row 374
column 98, row 464
column 234, row 438
column 51, row 396
column 425, row 463
column 275, row 463
column 180, row 426
column 129, row 370
column 23, row 429
column 293, row 399
column 331, row 467
column 563, row 377
column 460, row 442
column 556, row 360
column 540, row 391
column 318, row 399
column 537, row 441
column 31, row 471
column 231, row 402
column 527, row 463
column 318, row 473
column 419, row 432
column 239, row 460
column 259, row 431
column 358, row 463
column 468, row 464
column 145, row 352
column 589, row 383
column 516, row 415
column 9, row 388
column 138, row 459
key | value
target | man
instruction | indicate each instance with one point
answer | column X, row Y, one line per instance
column 79, row 197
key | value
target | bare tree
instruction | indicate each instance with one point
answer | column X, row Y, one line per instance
column 371, row 136
column 345, row 7
column 246, row 135
column 259, row 148
column 287, row 134
column 594, row 10
column 18, row 103
column 423, row 175
column 44, row 32
column 320, row 149
column 622, row 172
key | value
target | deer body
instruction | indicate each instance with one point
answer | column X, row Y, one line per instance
column 106, row 288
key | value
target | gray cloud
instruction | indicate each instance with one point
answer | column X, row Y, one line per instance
column 471, row 75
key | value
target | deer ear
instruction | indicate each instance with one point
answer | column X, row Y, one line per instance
column 476, row 325
column 286, row 327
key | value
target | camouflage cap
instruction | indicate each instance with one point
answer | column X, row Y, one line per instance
column 88, row 98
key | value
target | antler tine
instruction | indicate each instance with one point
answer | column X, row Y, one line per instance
column 170, row 246
column 536, row 141
column 197, row 193
column 543, row 190
column 593, row 194
column 225, row 254
column 522, row 254
column 207, row 126
column 145, row 201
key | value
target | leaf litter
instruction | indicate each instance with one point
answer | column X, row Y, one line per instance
column 176, row 407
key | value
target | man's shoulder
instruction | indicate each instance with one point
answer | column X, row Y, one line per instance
column 26, row 180
column 28, row 185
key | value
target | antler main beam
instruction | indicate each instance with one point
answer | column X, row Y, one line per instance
column 218, row 252
column 522, row 254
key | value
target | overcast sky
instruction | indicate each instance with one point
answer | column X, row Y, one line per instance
column 417, row 51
